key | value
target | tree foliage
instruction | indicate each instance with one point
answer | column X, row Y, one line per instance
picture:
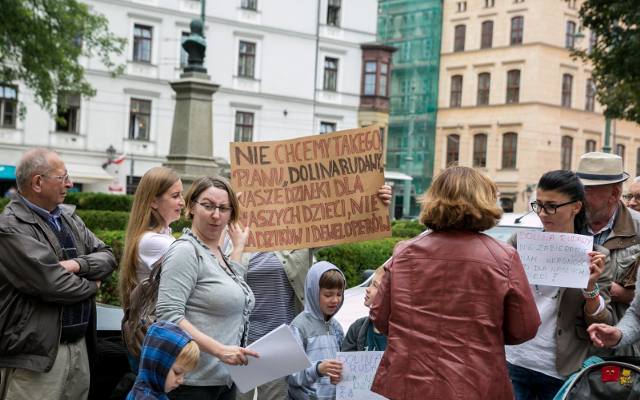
column 616, row 55
column 43, row 41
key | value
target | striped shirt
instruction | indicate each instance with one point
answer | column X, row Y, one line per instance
column 603, row 234
column 274, row 295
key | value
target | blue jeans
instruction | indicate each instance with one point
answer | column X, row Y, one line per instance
column 532, row 385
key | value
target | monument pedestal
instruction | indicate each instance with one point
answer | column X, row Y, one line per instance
column 191, row 151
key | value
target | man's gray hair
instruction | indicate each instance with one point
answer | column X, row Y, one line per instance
column 636, row 179
column 33, row 162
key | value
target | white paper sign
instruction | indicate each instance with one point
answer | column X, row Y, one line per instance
column 280, row 355
column 555, row 259
column 358, row 370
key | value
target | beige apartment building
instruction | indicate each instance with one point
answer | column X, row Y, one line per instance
column 512, row 101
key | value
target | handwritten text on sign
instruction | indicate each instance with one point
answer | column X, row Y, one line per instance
column 358, row 370
column 555, row 259
column 312, row 191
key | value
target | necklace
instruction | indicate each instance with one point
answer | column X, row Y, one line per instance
column 547, row 291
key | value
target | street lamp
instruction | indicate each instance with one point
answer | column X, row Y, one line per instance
column 111, row 153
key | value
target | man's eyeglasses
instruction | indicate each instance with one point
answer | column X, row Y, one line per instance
column 550, row 209
column 62, row 178
column 630, row 196
column 211, row 208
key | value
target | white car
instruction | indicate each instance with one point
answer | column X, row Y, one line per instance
column 109, row 317
column 353, row 307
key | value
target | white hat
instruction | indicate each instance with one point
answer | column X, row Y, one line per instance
column 598, row 168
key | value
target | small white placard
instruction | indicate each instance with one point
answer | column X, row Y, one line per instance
column 280, row 355
column 555, row 259
column 358, row 370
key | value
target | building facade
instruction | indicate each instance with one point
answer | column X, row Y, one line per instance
column 513, row 102
column 286, row 68
column 413, row 27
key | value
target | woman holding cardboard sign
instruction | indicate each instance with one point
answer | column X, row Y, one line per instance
column 538, row 367
column 277, row 281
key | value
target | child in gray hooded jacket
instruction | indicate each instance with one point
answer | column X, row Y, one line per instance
column 320, row 335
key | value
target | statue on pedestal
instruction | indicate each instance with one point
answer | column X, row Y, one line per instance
column 195, row 44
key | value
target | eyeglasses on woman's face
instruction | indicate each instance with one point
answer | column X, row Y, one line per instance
column 211, row 208
column 549, row 209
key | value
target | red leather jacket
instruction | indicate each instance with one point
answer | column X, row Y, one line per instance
column 448, row 303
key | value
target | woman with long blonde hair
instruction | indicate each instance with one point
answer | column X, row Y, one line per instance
column 157, row 203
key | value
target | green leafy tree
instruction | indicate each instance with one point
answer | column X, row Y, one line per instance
column 616, row 55
column 42, row 42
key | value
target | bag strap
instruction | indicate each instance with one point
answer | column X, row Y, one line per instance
column 578, row 375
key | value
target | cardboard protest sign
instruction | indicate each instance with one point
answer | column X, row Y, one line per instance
column 555, row 259
column 358, row 370
column 312, row 191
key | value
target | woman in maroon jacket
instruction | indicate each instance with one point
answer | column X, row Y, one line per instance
column 452, row 298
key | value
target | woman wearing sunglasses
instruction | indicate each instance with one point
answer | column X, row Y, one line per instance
column 539, row 367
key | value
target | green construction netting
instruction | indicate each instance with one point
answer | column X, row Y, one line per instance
column 414, row 28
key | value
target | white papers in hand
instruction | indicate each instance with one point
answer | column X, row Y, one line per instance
column 280, row 355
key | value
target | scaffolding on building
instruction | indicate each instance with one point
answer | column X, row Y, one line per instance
column 414, row 27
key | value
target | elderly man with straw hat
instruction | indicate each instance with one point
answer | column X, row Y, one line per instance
column 612, row 225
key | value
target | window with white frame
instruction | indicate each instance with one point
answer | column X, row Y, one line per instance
column 333, row 12
column 480, row 150
column 184, row 56
column 330, row 81
column 453, row 150
column 590, row 96
column 384, row 79
column 139, row 119
column 249, row 5
column 247, row 59
column 68, row 113
column 370, row 73
column 142, row 42
column 509, row 150
column 593, row 41
column 462, row 6
column 513, row 86
column 570, row 35
column 566, row 153
column 620, row 151
column 567, row 88
column 484, row 86
column 517, row 30
column 459, row 37
column 8, row 105
column 486, row 36
column 455, row 99
column 244, row 126
column 327, row 127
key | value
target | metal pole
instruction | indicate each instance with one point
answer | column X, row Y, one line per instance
column 203, row 5
column 406, row 198
column 607, row 135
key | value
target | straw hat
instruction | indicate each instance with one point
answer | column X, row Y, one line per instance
column 598, row 168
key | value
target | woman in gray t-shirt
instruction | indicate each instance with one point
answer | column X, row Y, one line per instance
column 204, row 292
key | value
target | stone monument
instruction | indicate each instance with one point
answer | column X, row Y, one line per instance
column 191, row 151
